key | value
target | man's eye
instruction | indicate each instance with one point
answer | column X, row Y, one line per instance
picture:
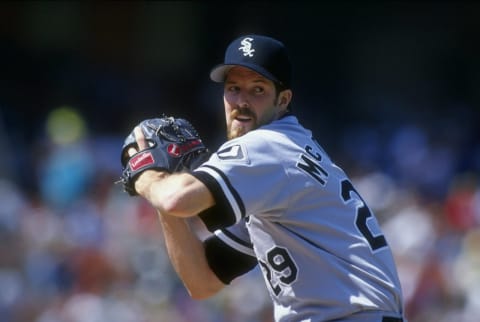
column 258, row 90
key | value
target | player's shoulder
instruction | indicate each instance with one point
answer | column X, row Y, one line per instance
column 289, row 121
column 285, row 126
column 266, row 137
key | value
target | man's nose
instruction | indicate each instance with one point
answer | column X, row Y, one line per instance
column 242, row 100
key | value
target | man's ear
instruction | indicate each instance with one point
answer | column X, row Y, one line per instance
column 285, row 98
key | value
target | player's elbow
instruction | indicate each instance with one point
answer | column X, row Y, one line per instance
column 205, row 289
column 200, row 295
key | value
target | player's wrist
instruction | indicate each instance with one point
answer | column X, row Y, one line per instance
column 145, row 181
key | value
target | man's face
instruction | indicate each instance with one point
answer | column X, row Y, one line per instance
column 250, row 101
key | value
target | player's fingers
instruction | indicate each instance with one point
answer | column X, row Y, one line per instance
column 140, row 137
column 131, row 151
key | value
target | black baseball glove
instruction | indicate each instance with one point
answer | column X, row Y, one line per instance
column 173, row 145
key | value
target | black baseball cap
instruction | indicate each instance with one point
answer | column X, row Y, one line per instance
column 262, row 54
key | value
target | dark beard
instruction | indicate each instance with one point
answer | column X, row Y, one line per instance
column 239, row 130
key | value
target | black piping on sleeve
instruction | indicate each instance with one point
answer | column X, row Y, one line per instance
column 221, row 214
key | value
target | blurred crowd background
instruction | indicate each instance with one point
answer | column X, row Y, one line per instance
column 390, row 89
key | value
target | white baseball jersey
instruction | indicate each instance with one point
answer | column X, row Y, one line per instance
column 285, row 203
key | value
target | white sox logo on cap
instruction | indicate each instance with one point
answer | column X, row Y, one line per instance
column 247, row 47
column 264, row 55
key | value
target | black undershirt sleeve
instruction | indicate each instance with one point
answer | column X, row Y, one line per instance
column 221, row 214
column 226, row 262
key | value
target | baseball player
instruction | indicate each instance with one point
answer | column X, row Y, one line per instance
column 272, row 197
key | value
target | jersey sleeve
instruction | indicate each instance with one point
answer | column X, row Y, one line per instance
column 230, row 253
column 245, row 176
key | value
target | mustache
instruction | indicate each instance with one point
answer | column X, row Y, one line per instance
column 242, row 111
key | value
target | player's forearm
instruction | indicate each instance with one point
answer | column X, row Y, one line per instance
column 187, row 256
column 178, row 195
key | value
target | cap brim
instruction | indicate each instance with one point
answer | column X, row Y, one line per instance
column 219, row 72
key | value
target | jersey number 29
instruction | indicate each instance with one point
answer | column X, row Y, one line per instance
column 363, row 214
column 280, row 267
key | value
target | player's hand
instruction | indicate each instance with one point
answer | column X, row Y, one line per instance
column 165, row 145
column 145, row 178
column 142, row 145
column 141, row 141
